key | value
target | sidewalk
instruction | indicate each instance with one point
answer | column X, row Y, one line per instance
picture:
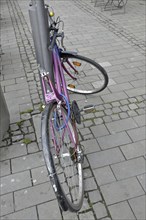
column 113, row 136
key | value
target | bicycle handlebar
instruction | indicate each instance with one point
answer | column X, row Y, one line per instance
column 55, row 35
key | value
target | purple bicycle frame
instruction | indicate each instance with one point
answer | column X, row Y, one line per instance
column 58, row 88
column 60, row 83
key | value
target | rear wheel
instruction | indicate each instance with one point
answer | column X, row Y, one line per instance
column 60, row 141
column 83, row 75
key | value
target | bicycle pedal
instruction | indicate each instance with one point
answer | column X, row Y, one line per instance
column 89, row 108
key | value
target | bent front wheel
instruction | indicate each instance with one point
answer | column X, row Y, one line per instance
column 82, row 74
column 64, row 156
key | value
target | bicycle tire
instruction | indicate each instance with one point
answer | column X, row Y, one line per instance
column 61, row 165
column 89, row 76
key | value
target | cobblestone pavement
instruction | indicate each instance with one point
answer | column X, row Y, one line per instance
column 113, row 136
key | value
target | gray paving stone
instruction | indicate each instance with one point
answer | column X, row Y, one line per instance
column 27, row 162
column 15, row 182
column 121, row 125
column 88, row 123
column 141, row 105
column 142, row 180
column 85, row 131
column 113, row 140
column 138, row 206
column 122, row 190
column 99, row 130
column 121, row 211
column 25, row 214
column 87, row 173
column 88, row 137
column 104, row 175
column 5, row 168
column 124, row 79
column 6, row 204
column 85, row 164
column 33, row 196
column 123, row 115
column 140, row 120
column 90, row 184
column 116, row 104
column 140, row 111
column 124, row 102
column 107, row 106
column 129, row 168
column 8, row 82
column 17, row 138
column 100, row 108
column 133, row 106
column 98, row 121
column 87, row 215
column 108, row 112
column 40, row 175
column 70, row 216
column 133, row 150
column 17, row 87
column 124, row 108
column 137, row 133
column 94, row 196
column 107, row 118
column 90, row 146
column 106, row 157
column 32, row 147
column 106, row 218
column 132, row 100
column 30, row 136
column 132, row 113
column 49, row 210
column 37, row 123
column 135, row 92
column 100, row 210
column 115, row 117
column 116, row 110
column 99, row 114
column 13, row 151
column 88, row 116
column 114, row 97
column 120, row 87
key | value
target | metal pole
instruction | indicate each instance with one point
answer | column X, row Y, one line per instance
column 36, row 34
column 33, row 2
column 44, row 35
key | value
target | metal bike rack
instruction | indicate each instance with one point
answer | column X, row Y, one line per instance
column 108, row 5
column 40, row 33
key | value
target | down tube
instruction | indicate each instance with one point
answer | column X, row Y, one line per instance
column 56, row 71
column 60, row 75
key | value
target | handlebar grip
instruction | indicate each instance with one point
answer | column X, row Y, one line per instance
column 53, row 40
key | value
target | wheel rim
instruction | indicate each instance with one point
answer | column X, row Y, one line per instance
column 63, row 152
column 82, row 76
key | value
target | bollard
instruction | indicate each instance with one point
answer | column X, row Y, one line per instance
column 4, row 116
